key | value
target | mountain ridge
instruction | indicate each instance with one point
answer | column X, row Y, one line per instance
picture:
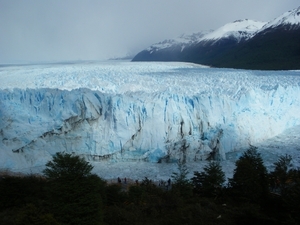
column 243, row 44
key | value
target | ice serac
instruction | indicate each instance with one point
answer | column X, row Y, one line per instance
column 106, row 112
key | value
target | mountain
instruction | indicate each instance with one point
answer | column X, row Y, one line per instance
column 290, row 19
column 113, row 112
column 245, row 44
column 171, row 49
column 239, row 30
column 183, row 48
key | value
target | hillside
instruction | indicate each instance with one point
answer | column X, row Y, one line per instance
column 244, row 44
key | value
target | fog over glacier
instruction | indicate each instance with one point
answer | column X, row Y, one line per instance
column 137, row 119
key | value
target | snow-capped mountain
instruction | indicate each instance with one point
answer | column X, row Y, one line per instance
column 116, row 112
column 290, row 19
column 222, row 47
column 239, row 30
column 179, row 42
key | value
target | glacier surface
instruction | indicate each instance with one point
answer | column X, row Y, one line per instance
column 126, row 117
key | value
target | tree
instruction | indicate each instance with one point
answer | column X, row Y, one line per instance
column 291, row 196
column 180, row 178
column 250, row 176
column 209, row 181
column 67, row 166
column 180, row 182
column 282, row 174
column 286, row 180
column 74, row 194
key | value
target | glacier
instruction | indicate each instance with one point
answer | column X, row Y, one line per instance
column 125, row 117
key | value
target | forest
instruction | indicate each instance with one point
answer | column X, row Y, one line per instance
column 69, row 193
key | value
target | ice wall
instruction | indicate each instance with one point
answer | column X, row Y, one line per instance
column 207, row 115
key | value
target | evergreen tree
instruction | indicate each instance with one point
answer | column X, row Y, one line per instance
column 210, row 181
column 180, row 178
column 291, row 196
column 286, row 180
column 180, row 182
column 282, row 174
column 67, row 166
column 250, row 178
column 74, row 193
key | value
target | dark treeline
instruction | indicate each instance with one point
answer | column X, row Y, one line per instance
column 68, row 193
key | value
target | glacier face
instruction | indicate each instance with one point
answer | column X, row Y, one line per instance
column 140, row 111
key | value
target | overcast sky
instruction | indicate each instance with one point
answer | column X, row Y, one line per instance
column 46, row 30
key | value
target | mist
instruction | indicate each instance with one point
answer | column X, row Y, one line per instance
column 37, row 31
